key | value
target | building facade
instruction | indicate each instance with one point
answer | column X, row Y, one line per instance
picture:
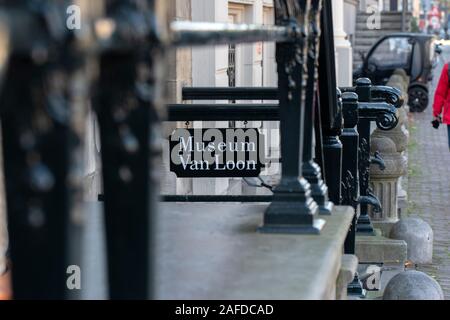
column 249, row 65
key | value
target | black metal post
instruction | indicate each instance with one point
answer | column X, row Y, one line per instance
column 332, row 152
column 350, row 183
column 364, row 225
column 36, row 138
column 330, row 108
column 125, row 154
column 379, row 104
column 292, row 209
column 319, row 159
column 126, row 112
column 311, row 170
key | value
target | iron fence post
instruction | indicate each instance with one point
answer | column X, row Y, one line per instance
column 379, row 104
column 350, row 183
column 332, row 152
column 328, row 146
column 37, row 140
column 126, row 108
column 292, row 209
column 311, row 170
column 364, row 225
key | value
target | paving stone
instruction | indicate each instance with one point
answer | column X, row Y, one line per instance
column 428, row 184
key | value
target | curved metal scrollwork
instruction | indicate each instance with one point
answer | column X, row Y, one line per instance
column 386, row 121
column 377, row 208
column 367, row 196
column 349, row 190
column 378, row 160
column 364, row 161
column 384, row 114
column 390, row 95
column 387, row 94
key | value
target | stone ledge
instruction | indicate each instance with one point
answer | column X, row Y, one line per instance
column 349, row 267
column 384, row 226
column 212, row 251
column 378, row 249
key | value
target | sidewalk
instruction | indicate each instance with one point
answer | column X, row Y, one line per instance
column 429, row 189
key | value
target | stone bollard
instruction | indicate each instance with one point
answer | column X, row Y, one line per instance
column 413, row 285
column 419, row 238
column 400, row 81
column 399, row 135
column 384, row 182
column 401, row 71
column 404, row 76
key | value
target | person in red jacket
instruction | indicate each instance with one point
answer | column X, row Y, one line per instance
column 441, row 104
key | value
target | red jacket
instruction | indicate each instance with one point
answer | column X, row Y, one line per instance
column 441, row 102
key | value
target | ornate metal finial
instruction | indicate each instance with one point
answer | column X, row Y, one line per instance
column 361, row 82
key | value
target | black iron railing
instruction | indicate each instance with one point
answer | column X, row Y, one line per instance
column 50, row 81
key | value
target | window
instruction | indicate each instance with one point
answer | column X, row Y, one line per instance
column 392, row 52
column 236, row 13
column 269, row 67
column 231, row 70
column 393, row 5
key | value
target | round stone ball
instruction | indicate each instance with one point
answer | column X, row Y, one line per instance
column 418, row 236
column 413, row 285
